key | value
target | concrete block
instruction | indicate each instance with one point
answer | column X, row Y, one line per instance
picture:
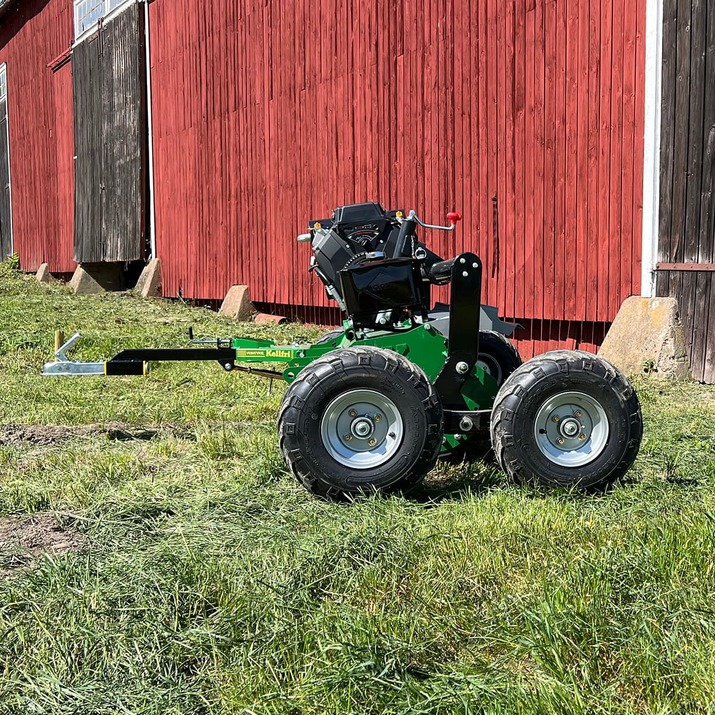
column 237, row 303
column 98, row 277
column 43, row 274
column 268, row 319
column 647, row 336
column 149, row 283
column 84, row 284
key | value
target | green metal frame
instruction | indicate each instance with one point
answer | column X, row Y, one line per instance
column 422, row 345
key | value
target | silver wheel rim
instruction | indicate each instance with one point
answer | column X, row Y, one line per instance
column 361, row 429
column 571, row 429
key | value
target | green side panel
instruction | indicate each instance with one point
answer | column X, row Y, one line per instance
column 427, row 348
column 423, row 345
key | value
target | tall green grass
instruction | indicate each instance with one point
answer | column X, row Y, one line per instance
column 212, row 583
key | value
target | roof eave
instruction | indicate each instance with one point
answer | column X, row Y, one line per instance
column 4, row 5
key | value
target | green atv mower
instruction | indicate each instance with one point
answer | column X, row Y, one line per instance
column 373, row 405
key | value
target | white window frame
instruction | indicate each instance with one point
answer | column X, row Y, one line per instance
column 100, row 10
column 3, row 89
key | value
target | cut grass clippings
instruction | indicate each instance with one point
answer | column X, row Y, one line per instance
column 207, row 581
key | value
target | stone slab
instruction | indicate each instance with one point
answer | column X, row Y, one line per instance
column 83, row 283
column 98, row 277
column 237, row 303
column 43, row 274
column 647, row 337
column 149, row 283
column 268, row 319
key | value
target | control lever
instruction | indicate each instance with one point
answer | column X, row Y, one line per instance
column 452, row 217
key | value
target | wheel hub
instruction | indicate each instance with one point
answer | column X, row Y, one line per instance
column 361, row 429
column 571, row 429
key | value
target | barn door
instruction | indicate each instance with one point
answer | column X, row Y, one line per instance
column 5, row 205
column 686, row 250
column 110, row 115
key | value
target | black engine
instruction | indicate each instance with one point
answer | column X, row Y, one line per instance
column 373, row 265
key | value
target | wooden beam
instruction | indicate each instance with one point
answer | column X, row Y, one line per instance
column 702, row 267
column 61, row 60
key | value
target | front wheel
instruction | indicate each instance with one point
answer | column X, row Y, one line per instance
column 358, row 420
column 566, row 418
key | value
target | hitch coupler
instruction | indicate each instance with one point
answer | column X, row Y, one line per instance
column 63, row 366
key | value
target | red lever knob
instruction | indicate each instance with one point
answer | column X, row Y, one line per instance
column 453, row 217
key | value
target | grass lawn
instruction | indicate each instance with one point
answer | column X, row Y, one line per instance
column 193, row 575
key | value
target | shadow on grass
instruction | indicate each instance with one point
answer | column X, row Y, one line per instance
column 457, row 481
column 432, row 494
column 478, row 479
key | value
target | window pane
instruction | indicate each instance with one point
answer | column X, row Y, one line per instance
column 111, row 4
column 88, row 12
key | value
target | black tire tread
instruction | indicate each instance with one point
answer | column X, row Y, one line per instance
column 340, row 360
column 560, row 361
column 507, row 355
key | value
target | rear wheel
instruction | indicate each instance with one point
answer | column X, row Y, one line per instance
column 497, row 356
column 330, row 336
column 359, row 420
column 566, row 418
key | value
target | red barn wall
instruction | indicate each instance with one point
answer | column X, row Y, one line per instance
column 527, row 116
column 33, row 33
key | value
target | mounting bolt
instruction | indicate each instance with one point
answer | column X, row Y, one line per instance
column 465, row 274
column 475, row 265
column 560, row 440
column 462, row 367
column 372, row 441
column 556, row 418
column 228, row 367
column 392, row 435
column 462, row 260
column 348, row 437
column 466, row 424
column 352, row 413
column 378, row 418
column 582, row 436
column 578, row 413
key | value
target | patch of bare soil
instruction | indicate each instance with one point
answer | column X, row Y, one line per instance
column 23, row 539
column 48, row 435
column 38, row 434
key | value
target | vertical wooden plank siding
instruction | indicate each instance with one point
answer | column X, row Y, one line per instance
column 269, row 113
column 33, row 33
column 59, row 253
column 687, row 212
column 109, row 78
